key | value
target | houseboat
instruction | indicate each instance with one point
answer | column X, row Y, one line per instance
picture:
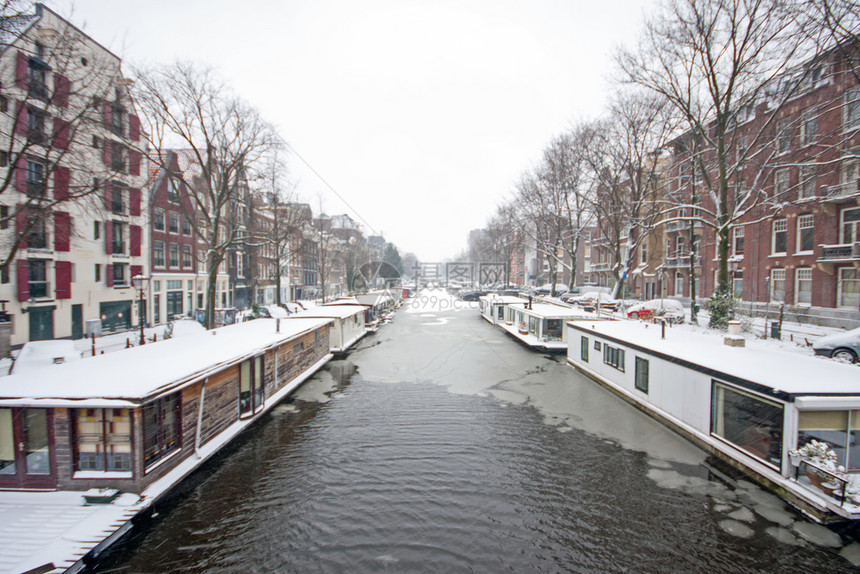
column 347, row 318
column 539, row 325
column 380, row 305
column 750, row 408
column 138, row 421
column 493, row 306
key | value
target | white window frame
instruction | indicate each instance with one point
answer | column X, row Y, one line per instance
column 781, row 184
column 777, row 274
column 808, row 115
column 805, row 222
column 737, row 233
column 840, row 287
column 852, row 108
column 779, row 226
column 806, row 188
column 855, row 227
column 802, row 275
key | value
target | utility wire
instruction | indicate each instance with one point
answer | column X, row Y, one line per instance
column 333, row 190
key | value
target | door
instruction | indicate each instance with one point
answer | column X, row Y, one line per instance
column 77, row 321
column 26, row 456
column 41, row 323
column 174, row 304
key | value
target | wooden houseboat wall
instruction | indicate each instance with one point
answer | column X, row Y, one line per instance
column 348, row 324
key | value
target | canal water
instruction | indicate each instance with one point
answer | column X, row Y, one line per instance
column 442, row 445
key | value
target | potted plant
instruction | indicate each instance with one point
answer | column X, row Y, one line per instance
column 820, row 454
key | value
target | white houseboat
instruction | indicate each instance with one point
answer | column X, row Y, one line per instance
column 749, row 408
column 493, row 306
column 540, row 325
column 348, row 325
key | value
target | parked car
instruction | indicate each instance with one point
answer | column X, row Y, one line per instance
column 843, row 346
column 471, row 295
column 547, row 289
column 590, row 300
column 669, row 309
column 183, row 328
column 37, row 354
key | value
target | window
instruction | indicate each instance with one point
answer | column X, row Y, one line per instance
column 751, row 423
column 98, row 272
column 679, row 246
column 779, row 241
column 156, row 308
column 186, row 226
column 613, row 357
column 783, row 135
column 738, row 240
column 805, row 234
column 116, row 204
column 848, row 289
column 173, row 222
column 803, row 286
column 4, row 217
column 36, row 77
column 777, row 285
column 186, row 256
column 174, row 255
column 117, row 113
column 4, row 104
column 161, row 428
column 298, row 348
column 103, row 439
column 251, row 385
column 119, row 274
column 850, row 225
column 240, row 268
column 852, row 108
column 737, row 284
column 38, row 280
column 37, row 235
column 158, row 254
column 118, row 237
column 809, row 127
column 97, row 229
column 807, row 181
column 781, row 184
column 641, row 376
column 35, row 125
column 172, row 193
column 839, row 429
column 35, row 178
column 583, row 348
column 158, row 219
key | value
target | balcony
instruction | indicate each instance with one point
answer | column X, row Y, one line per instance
column 598, row 267
column 682, row 226
column 842, row 191
column 837, row 253
column 681, row 261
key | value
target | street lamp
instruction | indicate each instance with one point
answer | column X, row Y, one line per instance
column 139, row 282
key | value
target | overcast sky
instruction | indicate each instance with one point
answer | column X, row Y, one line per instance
column 420, row 114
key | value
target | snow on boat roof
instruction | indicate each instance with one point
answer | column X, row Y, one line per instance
column 332, row 311
column 781, row 371
column 341, row 301
column 504, row 299
column 548, row 310
column 373, row 298
column 140, row 372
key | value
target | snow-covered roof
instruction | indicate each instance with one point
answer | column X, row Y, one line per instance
column 505, row 299
column 333, row 311
column 342, row 301
column 140, row 372
column 549, row 311
column 39, row 354
column 774, row 369
column 373, row 299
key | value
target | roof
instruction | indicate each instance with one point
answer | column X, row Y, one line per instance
column 373, row 299
column 141, row 372
column 333, row 311
column 779, row 372
column 549, row 311
column 505, row 299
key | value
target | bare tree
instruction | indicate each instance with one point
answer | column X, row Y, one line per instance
column 188, row 107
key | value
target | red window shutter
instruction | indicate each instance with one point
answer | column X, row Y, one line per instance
column 133, row 162
column 21, row 122
column 108, row 238
column 23, row 280
column 61, row 90
column 61, row 183
column 106, row 147
column 63, row 271
column 21, row 225
column 136, row 270
column 133, row 201
column 109, row 275
column 107, row 113
column 135, row 240
column 22, row 70
column 21, row 173
column 62, row 231
column 61, row 133
column 133, row 128
column 108, row 195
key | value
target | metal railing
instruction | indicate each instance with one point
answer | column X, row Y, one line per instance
column 827, row 482
column 847, row 251
column 680, row 261
column 842, row 191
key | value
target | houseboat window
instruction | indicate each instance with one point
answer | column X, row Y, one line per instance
column 161, row 428
column 103, row 439
column 597, row 345
column 250, row 385
column 839, row 429
column 613, row 357
column 747, row 421
column 553, row 329
column 533, row 325
column 7, row 443
column 583, row 348
column 641, row 379
column 501, row 312
column 298, row 348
